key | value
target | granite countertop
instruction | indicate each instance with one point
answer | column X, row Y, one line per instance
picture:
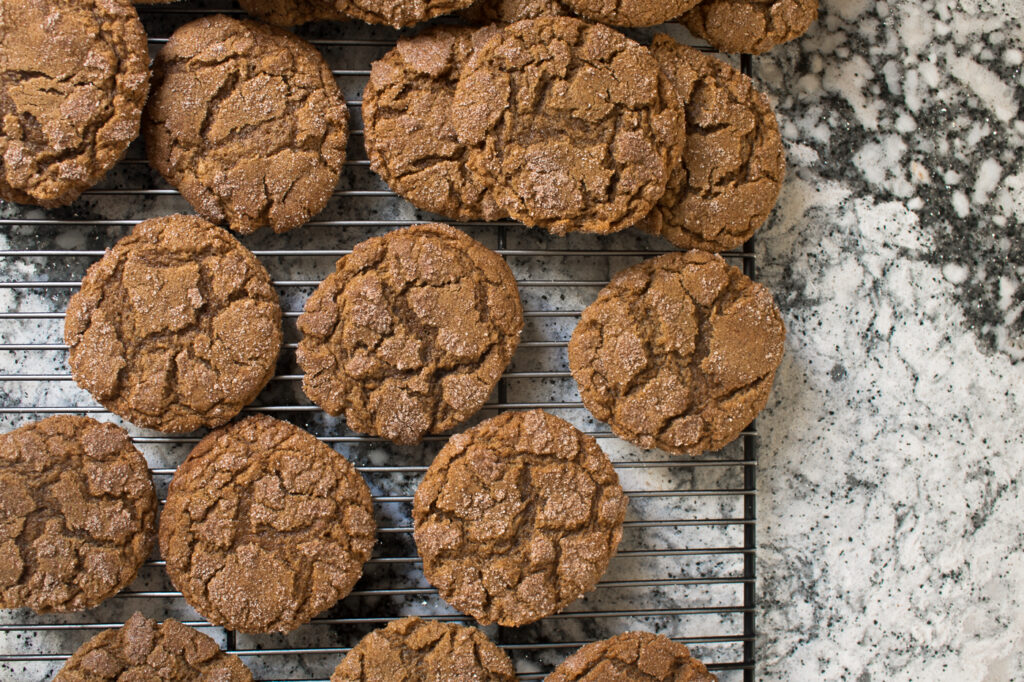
column 890, row 500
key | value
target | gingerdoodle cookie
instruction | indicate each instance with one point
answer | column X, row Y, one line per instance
column 678, row 352
column 511, row 11
column 265, row 526
column 176, row 327
column 407, row 118
column 410, row 333
column 753, row 26
column 425, row 651
column 632, row 657
column 77, row 514
column 74, row 75
column 572, row 124
column 733, row 160
column 292, row 12
column 247, row 122
column 630, row 12
column 146, row 650
column 399, row 13
column 517, row 517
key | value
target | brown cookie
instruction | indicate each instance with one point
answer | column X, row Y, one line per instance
column 416, row 650
column 753, row 26
column 571, row 123
column 733, row 160
column 407, row 118
column 411, row 332
column 630, row 12
column 265, row 526
column 511, row 11
column 73, row 80
column 77, row 514
column 176, row 327
column 146, row 650
column 247, row 122
column 292, row 12
column 632, row 657
column 517, row 517
column 399, row 13
column 678, row 352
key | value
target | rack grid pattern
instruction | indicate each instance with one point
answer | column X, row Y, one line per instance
column 686, row 566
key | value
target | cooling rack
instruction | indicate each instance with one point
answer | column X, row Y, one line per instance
column 686, row 565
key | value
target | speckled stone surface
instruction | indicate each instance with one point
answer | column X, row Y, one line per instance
column 890, row 503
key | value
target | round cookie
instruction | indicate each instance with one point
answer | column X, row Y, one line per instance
column 511, row 11
column 399, row 13
column 407, row 118
column 733, row 160
column 753, row 26
column 517, row 517
column 247, row 122
column 176, row 327
column 292, row 12
column 630, row 12
column 77, row 514
column 571, row 123
column 425, row 651
column 678, row 352
column 265, row 526
column 74, row 74
column 632, row 657
column 146, row 650
column 411, row 332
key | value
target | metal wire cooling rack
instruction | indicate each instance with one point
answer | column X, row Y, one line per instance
column 686, row 563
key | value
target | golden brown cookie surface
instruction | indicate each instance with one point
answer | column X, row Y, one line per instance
column 411, row 332
column 265, row 526
column 247, row 122
column 678, row 352
column 630, row 12
column 632, row 657
column 292, row 12
column 177, row 327
column 399, row 13
column 74, row 75
column 517, row 517
column 77, row 514
column 753, row 26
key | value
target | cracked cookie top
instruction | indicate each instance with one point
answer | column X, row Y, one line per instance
column 511, row 11
column 733, row 160
column 517, row 517
column 416, row 650
column 146, row 650
column 630, row 12
column 265, row 526
column 407, row 116
column 678, row 352
column 410, row 333
column 176, row 327
column 77, row 514
column 292, row 12
column 572, row 123
column 247, row 122
column 399, row 13
column 753, row 26
column 74, row 75
column 632, row 657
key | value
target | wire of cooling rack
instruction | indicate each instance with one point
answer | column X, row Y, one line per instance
column 686, row 566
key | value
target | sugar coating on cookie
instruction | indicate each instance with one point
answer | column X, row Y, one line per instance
column 678, row 352
column 399, row 13
column 177, row 327
column 733, row 161
column 517, row 517
column 265, row 526
column 632, row 657
column 411, row 332
column 78, row 514
column 75, row 75
column 292, row 12
column 407, row 119
column 630, row 12
column 572, row 123
column 511, row 11
column 753, row 26
column 146, row 650
column 415, row 649
column 247, row 122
